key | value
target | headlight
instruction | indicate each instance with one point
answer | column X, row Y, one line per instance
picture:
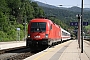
column 46, row 36
column 28, row 36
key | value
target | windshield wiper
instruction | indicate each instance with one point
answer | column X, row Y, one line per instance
column 40, row 29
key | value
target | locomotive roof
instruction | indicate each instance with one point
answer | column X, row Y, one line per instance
column 41, row 20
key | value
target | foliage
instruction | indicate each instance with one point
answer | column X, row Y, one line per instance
column 88, row 30
column 63, row 15
column 13, row 13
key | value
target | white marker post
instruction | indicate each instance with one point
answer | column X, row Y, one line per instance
column 18, row 34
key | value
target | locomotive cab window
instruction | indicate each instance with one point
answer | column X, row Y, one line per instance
column 38, row 27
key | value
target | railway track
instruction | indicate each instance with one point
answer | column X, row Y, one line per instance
column 18, row 53
column 10, row 49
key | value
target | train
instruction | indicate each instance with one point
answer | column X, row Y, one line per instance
column 43, row 32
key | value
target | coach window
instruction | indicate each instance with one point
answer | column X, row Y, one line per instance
column 50, row 27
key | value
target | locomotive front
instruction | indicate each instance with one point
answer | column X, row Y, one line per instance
column 37, row 33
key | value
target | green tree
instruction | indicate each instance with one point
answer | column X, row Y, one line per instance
column 13, row 13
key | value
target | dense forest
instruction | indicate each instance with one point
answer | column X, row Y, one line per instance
column 14, row 14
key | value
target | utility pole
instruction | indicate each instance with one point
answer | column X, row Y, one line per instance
column 25, row 28
column 25, row 18
column 79, row 29
column 82, row 27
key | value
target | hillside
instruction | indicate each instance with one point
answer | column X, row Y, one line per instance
column 66, row 15
column 74, row 8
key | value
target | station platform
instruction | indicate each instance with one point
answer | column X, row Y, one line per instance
column 12, row 44
column 65, row 51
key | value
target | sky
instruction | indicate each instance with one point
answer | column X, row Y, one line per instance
column 67, row 3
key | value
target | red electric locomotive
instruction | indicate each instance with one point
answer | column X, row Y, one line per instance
column 43, row 32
